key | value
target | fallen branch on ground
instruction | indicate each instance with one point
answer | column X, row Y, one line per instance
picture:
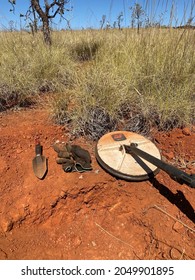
column 169, row 215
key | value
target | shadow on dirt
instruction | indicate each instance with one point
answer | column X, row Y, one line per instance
column 177, row 199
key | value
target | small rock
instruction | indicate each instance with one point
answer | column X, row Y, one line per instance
column 7, row 225
column 169, row 155
column 192, row 170
column 190, row 234
column 93, row 243
column 175, row 254
column 19, row 151
column 62, row 194
column 177, row 226
column 186, row 131
column 180, row 135
column 77, row 241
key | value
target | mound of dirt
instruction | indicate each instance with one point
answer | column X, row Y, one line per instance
column 90, row 215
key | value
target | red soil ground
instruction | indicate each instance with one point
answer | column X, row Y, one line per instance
column 91, row 215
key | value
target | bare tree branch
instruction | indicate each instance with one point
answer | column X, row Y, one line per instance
column 45, row 12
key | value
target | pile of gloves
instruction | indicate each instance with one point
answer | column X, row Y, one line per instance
column 72, row 157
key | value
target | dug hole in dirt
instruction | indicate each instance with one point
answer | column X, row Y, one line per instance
column 90, row 215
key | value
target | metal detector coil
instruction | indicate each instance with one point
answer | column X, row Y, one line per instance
column 133, row 157
column 111, row 155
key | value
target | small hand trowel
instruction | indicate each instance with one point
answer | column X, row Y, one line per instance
column 39, row 162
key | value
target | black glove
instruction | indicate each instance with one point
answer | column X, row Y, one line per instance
column 82, row 158
column 64, row 156
column 72, row 157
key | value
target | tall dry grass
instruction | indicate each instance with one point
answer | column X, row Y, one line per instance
column 28, row 67
column 105, row 79
column 146, row 77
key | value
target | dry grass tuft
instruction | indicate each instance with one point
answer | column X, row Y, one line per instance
column 104, row 80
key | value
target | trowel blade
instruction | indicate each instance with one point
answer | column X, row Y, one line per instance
column 39, row 166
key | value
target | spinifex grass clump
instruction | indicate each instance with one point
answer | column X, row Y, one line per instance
column 94, row 123
column 85, row 50
column 152, row 73
column 128, row 81
column 28, row 67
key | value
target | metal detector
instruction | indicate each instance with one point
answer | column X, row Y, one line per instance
column 133, row 157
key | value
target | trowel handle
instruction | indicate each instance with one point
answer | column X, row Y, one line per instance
column 38, row 149
column 176, row 174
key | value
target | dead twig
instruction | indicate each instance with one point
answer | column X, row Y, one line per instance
column 169, row 215
column 171, row 246
column 182, row 254
column 118, row 239
column 110, row 234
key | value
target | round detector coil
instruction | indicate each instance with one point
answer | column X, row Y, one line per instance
column 112, row 157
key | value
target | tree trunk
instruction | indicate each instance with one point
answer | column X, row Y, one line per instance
column 45, row 20
column 34, row 21
column 138, row 26
column 46, row 31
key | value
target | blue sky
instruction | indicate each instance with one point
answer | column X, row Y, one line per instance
column 88, row 13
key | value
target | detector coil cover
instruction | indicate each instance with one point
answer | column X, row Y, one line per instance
column 111, row 155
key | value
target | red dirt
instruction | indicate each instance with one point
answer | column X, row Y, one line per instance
column 90, row 215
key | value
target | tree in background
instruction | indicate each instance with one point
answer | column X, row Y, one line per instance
column 11, row 25
column 114, row 24
column 46, row 12
column 137, row 14
column 132, row 22
column 102, row 21
column 119, row 20
column 34, row 23
column 31, row 17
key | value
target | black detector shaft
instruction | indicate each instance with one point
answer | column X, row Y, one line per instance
column 179, row 176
